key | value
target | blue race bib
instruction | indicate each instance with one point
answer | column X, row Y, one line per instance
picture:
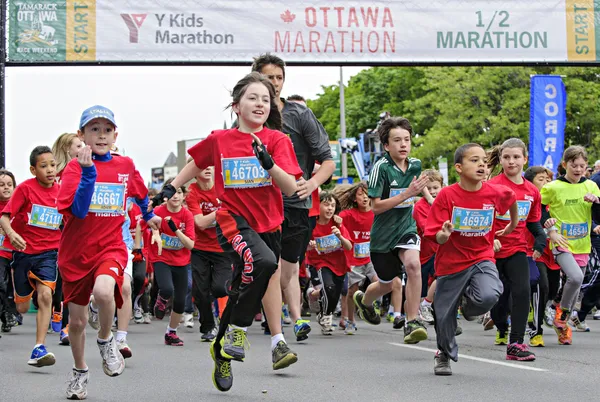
column 524, row 208
column 244, row 172
column 108, row 198
column 328, row 244
column 472, row 220
column 170, row 242
column 45, row 217
column 574, row 231
column 2, row 238
column 362, row 250
column 406, row 203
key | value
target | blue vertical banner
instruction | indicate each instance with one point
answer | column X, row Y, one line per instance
column 548, row 120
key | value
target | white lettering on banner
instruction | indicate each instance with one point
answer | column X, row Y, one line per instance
column 551, row 125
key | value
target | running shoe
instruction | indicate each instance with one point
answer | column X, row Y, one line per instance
column 537, row 341
column 77, row 384
column 350, row 328
column 565, row 337
column 462, row 306
column 40, row 357
column 580, row 326
column 501, row 338
column 124, row 348
column 6, row 327
column 426, row 314
column 560, row 319
column 399, row 322
column 56, row 322
column 389, row 317
column 325, row 321
column 414, row 332
column 367, row 313
column 160, row 308
column 301, row 330
column 282, row 356
column 305, row 311
column 285, row 315
column 210, row 335
column 258, row 317
column 234, row 344
column 549, row 314
column 138, row 315
column 147, row 318
column 222, row 375
column 18, row 319
column 519, row 352
column 338, row 309
column 488, row 323
column 188, row 320
column 64, row 336
column 93, row 317
column 530, row 316
column 597, row 314
column 171, row 339
column 458, row 330
column 441, row 364
column 113, row 362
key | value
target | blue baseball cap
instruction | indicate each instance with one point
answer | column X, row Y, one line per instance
column 96, row 112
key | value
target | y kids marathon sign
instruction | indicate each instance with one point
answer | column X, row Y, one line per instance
column 323, row 31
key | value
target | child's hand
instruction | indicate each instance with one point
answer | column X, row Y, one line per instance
column 156, row 239
column 536, row 255
column 447, row 228
column 17, row 241
column 337, row 220
column 336, row 231
column 549, row 223
column 597, row 230
column 312, row 245
column 589, row 197
column 497, row 245
column 155, row 222
column 84, row 157
column 559, row 240
column 417, row 185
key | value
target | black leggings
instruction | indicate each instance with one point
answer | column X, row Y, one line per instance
column 139, row 277
column 514, row 273
column 331, row 289
column 540, row 292
column 172, row 282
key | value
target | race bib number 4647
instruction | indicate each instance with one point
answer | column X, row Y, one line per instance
column 244, row 172
column 574, row 231
column 472, row 220
column 108, row 198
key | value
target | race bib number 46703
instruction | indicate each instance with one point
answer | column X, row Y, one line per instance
column 45, row 217
column 472, row 220
column 244, row 172
column 108, row 198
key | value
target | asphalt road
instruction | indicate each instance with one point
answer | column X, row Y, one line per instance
column 373, row 365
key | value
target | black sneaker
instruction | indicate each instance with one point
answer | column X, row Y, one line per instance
column 367, row 313
column 519, row 352
column 222, row 375
column 399, row 322
column 463, row 304
column 441, row 364
column 283, row 356
column 414, row 332
column 210, row 335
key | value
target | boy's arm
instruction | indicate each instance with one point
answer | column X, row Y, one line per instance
column 85, row 190
column 15, row 239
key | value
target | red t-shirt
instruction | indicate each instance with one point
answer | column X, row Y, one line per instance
column 243, row 186
column 530, row 203
column 204, row 202
column 358, row 224
column 421, row 211
column 34, row 216
column 472, row 213
column 316, row 204
column 547, row 257
column 5, row 246
column 135, row 215
column 173, row 252
column 329, row 252
column 86, row 243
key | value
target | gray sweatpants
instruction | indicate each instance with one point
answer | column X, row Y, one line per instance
column 482, row 287
column 575, row 275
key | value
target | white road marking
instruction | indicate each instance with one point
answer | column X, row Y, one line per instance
column 478, row 359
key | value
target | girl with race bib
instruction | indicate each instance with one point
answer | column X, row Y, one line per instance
column 570, row 199
column 511, row 259
column 172, row 259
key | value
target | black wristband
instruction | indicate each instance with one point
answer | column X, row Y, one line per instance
column 263, row 156
column 172, row 225
column 167, row 192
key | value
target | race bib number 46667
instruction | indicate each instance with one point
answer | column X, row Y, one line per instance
column 472, row 220
column 108, row 198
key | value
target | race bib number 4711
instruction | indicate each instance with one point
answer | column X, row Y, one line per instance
column 472, row 220
column 244, row 172
column 108, row 198
column 45, row 217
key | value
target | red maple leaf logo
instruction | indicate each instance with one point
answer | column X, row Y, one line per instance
column 288, row 17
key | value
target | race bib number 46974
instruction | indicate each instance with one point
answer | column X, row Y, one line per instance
column 472, row 220
column 244, row 172
column 108, row 198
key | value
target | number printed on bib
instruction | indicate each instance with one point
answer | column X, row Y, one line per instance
column 574, row 231
column 328, row 244
column 45, row 217
column 170, row 242
column 362, row 250
column 108, row 198
column 406, row 203
column 524, row 208
column 244, row 172
column 472, row 220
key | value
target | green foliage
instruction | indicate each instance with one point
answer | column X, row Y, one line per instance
column 451, row 106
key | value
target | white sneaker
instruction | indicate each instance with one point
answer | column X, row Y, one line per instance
column 326, row 321
column 350, row 328
column 113, row 362
column 597, row 314
column 188, row 320
column 147, row 318
column 93, row 317
column 138, row 315
column 77, row 385
column 426, row 313
column 549, row 317
column 580, row 326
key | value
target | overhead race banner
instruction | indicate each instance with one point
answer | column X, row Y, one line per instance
column 322, row 31
column 548, row 120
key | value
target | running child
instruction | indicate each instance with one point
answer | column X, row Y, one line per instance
column 461, row 222
column 172, row 260
column 247, row 178
column 326, row 249
column 393, row 184
column 570, row 199
column 8, row 309
column 511, row 260
column 32, row 224
column 93, row 255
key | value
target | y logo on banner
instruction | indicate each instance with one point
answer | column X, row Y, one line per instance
column 134, row 23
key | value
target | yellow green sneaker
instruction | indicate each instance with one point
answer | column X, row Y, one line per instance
column 501, row 338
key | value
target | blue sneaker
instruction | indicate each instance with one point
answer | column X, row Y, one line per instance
column 56, row 321
column 285, row 315
column 40, row 357
column 301, row 330
column 64, row 336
